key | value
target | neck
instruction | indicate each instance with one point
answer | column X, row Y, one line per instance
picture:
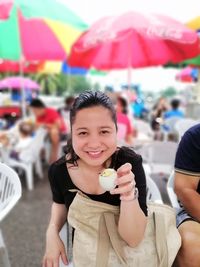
column 96, row 169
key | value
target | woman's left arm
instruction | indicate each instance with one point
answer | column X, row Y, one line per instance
column 132, row 220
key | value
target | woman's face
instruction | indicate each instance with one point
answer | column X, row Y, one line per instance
column 94, row 135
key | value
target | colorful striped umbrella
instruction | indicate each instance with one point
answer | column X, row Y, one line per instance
column 194, row 24
column 51, row 9
column 38, row 38
column 187, row 74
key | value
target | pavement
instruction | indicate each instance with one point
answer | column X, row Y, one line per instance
column 25, row 226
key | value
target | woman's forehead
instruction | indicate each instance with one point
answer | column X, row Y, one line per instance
column 94, row 114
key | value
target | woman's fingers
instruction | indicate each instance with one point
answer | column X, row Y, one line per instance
column 124, row 169
column 56, row 263
column 125, row 179
column 64, row 257
column 124, row 189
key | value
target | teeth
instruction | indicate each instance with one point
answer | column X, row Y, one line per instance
column 95, row 153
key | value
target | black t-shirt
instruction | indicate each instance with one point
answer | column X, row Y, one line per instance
column 61, row 182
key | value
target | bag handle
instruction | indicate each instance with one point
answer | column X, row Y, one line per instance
column 114, row 237
column 103, row 244
column 160, row 233
column 108, row 234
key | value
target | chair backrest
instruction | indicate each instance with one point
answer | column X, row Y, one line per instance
column 161, row 152
column 153, row 192
column 31, row 153
column 183, row 125
column 143, row 127
column 171, row 122
column 10, row 189
column 170, row 190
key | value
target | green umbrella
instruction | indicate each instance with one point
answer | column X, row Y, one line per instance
column 50, row 9
column 193, row 61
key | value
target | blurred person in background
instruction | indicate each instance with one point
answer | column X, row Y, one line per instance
column 64, row 111
column 17, row 140
column 157, row 117
column 53, row 122
column 125, row 129
column 174, row 111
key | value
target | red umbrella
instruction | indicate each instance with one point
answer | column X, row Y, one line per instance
column 134, row 40
column 16, row 67
column 188, row 74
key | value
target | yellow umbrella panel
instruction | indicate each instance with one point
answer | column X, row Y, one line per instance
column 194, row 24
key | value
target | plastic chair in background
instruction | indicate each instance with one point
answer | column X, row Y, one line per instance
column 144, row 133
column 160, row 156
column 183, row 125
column 29, row 158
column 170, row 190
column 10, row 193
column 168, row 128
column 153, row 192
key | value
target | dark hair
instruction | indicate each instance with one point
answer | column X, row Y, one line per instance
column 175, row 103
column 69, row 100
column 123, row 103
column 88, row 99
column 37, row 103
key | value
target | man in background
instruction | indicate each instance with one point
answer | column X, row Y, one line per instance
column 187, row 188
column 53, row 122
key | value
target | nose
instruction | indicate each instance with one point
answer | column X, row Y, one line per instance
column 94, row 142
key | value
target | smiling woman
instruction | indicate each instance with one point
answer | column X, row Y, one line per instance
column 92, row 149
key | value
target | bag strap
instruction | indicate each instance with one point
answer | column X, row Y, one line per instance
column 103, row 244
column 108, row 234
column 160, row 236
column 114, row 237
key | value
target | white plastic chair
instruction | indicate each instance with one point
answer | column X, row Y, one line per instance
column 143, row 127
column 153, row 192
column 183, row 125
column 170, row 190
column 10, row 193
column 144, row 133
column 30, row 157
column 159, row 155
column 168, row 127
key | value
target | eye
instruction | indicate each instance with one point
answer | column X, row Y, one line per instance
column 82, row 133
column 104, row 132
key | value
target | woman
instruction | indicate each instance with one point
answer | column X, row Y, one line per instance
column 125, row 129
column 93, row 148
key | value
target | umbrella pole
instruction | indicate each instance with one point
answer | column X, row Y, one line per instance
column 129, row 78
column 23, row 100
column 68, row 79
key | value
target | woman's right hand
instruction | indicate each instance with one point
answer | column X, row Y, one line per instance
column 54, row 250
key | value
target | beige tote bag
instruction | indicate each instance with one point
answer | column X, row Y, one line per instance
column 97, row 242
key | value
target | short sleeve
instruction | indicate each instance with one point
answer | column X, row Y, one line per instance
column 53, row 175
column 187, row 156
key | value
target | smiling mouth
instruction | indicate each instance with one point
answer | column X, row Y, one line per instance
column 94, row 153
